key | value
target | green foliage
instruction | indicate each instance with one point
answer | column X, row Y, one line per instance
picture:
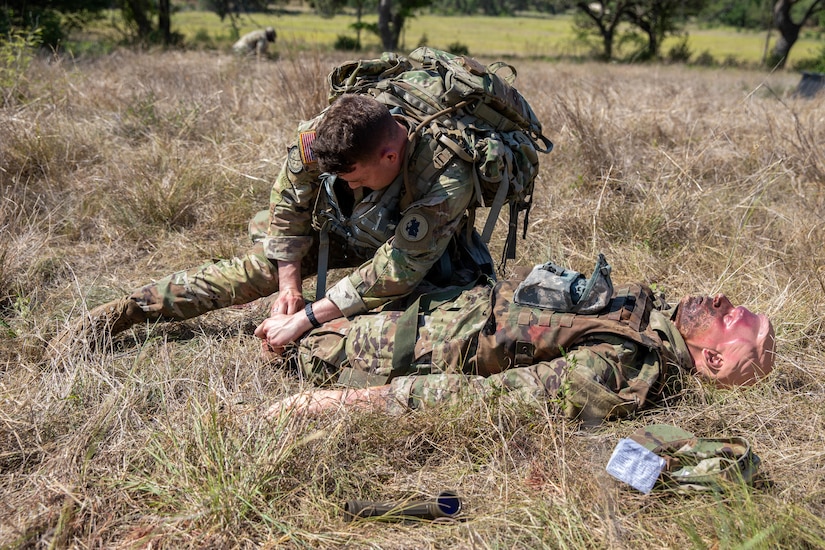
column 17, row 51
column 644, row 23
column 327, row 8
column 203, row 39
column 741, row 14
column 234, row 8
column 680, row 52
column 501, row 7
column 392, row 17
column 705, row 59
column 54, row 18
column 813, row 64
column 346, row 43
column 458, row 48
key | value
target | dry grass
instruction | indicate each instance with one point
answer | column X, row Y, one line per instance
column 122, row 169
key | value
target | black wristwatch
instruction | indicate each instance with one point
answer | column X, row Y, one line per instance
column 311, row 315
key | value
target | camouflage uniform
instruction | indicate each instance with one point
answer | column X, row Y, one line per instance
column 407, row 239
column 484, row 344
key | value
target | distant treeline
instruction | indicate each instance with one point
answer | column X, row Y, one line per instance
column 149, row 21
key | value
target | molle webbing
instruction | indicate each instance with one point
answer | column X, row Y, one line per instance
column 518, row 335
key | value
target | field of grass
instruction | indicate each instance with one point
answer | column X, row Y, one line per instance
column 524, row 36
column 122, row 169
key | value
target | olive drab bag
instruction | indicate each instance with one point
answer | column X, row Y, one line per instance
column 475, row 114
column 687, row 462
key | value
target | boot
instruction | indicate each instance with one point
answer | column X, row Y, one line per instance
column 99, row 324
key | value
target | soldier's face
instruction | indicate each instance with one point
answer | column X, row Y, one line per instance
column 736, row 344
column 374, row 175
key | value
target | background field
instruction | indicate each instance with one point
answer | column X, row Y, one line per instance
column 122, row 169
column 535, row 36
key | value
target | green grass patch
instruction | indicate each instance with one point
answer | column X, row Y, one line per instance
column 532, row 36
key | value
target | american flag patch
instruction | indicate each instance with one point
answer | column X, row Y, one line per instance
column 306, row 139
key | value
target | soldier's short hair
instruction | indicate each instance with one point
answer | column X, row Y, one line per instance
column 352, row 130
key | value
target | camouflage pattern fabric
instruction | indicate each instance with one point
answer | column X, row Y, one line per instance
column 438, row 204
column 698, row 463
column 605, row 369
column 390, row 272
column 475, row 115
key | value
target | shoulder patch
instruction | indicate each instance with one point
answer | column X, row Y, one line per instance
column 414, row 227
column 306, row 139
column 294, row 161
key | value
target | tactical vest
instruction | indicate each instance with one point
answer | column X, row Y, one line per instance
column 371, row 222
column 516, row 335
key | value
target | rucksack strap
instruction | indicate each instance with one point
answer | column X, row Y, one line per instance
column 406, row 332
column 323, row 261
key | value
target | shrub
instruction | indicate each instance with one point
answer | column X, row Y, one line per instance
column 346, row 43
column 203, row 39
column 458, row 48
column 813, row 64
column 680, row 52
column 705, row 59
column 16, row 54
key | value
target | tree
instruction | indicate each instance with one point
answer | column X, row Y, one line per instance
column 742, row 14
column 604, row 17
column 53, row 18
column 138, row 17
column 391, row 18
column 655, row 18
column 659, row 18
column 359, row 25
column 233, row 9
column 788, row 28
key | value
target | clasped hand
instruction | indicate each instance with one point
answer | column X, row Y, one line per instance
column 285, row 324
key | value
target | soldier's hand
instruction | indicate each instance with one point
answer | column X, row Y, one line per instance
column 279, row 329
column 288, row 302
column 268, row 353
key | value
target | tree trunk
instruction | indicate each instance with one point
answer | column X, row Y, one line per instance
column 144, row 24
column 398, row 21
column 788, row 31
column 385, row 23
column 164, row 22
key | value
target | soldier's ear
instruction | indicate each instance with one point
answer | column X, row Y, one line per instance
column 713, row 360
column 391, row 154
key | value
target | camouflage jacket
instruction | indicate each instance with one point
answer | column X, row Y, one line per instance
column 419, row 234
column 483, row 344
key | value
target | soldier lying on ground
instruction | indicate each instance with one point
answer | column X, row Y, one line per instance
column 482, row 343
column 405, row 221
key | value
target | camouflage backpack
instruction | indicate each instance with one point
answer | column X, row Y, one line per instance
column 474, row 113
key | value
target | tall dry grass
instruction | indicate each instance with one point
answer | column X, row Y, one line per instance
column 125, row 168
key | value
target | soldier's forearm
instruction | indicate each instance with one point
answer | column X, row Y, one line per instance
column 289, row 275
column 318, row 401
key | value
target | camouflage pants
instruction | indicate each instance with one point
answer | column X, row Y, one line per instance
column 359, row 352
column 222, row 283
